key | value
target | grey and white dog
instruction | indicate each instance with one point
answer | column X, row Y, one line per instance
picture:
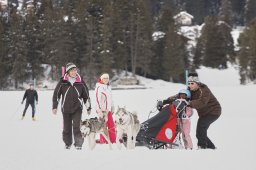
column 90, row 127
column 126, row 123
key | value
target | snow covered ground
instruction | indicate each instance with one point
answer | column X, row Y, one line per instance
column 28, row 145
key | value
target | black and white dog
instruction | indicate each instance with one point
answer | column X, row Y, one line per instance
column 90, row 127
column 126, row 123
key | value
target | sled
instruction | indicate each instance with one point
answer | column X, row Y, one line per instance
column 162, row 130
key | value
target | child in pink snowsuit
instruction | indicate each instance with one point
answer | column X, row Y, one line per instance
column 184, row 117
column 104, row 106
column 185, row 124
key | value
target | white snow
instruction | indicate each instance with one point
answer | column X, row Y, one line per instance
column 235, row 34
column 158, row 35
column 28, row 145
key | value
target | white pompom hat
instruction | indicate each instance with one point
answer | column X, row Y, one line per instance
column 193, row 77
column 70, row 66
column 105, row 75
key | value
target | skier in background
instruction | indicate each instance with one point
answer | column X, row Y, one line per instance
column 30, row 96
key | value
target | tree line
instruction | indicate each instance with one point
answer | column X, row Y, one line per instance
column 102, row 36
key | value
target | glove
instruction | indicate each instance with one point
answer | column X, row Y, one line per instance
column 22, row 102
column 159, row 105
column 54, row 111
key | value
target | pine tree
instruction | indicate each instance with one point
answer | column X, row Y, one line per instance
column 17, row 49
column 50, row 26
column 120, row 41
column 247, row 53
column 250, row 12
column 107, row 52
column 226, row 28
column 81, row 39
column 217, row 43
column 140, row 36
column 174, row 55
column 225, row 13
column 199, row 52
column 198, row 8
column 3, row 54
column 244, row 56
column 144, row 41
column 164, row 22
column 238, row 11
column 34, row 45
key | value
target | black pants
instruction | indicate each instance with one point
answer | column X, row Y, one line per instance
column 32, row 106
column 203, row 124
column 72, row 125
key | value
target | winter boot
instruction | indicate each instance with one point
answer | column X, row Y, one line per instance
column 78, row 147
column 22, row 117
column 33, row 118
column 67, row 146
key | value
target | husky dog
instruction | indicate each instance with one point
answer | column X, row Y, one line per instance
column 90, row 127
column 126, row 123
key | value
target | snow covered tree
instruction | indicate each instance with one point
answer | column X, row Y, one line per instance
column 247, row 53
column 217, row 43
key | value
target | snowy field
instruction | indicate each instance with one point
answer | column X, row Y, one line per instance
column 28, row 145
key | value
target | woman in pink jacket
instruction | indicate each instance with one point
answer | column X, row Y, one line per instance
column 105, row 106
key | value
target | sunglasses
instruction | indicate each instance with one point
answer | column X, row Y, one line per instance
column 191, row 83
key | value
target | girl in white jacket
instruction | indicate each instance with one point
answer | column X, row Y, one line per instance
column 105, row 106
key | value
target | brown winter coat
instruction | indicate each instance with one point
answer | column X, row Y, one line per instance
column 204, row 101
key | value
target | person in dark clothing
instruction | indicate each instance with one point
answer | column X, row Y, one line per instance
column 208, row 109
column 31, row 96
column 74, row 93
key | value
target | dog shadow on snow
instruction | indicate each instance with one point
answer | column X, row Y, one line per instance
column 126, row 124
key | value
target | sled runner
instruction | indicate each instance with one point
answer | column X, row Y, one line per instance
column 162, row 130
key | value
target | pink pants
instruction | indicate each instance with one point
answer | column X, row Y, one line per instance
column 185, row 131
column 111, row 130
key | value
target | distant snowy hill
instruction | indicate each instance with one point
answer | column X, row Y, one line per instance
column 216, row 77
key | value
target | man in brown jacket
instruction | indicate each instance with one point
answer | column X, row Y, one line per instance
column 208, row 109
